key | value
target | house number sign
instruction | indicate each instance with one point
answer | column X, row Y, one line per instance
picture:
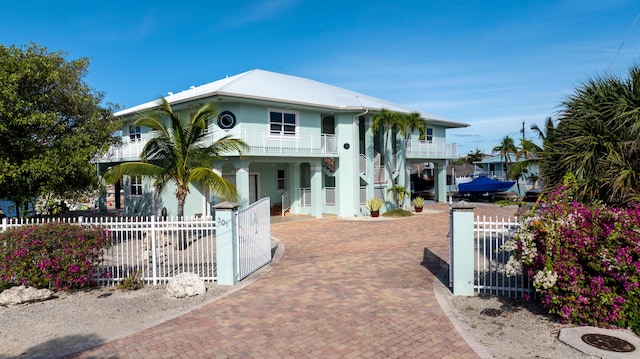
column 222, row 222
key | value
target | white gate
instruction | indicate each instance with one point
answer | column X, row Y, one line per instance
column 254, row 237
column 490, row 260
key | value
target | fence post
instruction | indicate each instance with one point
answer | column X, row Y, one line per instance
column 154, row 250
column 226, row 243
column 462, row 248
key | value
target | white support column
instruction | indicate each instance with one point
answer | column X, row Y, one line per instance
column 317, row 192
column 295, row 187
column 242, row 184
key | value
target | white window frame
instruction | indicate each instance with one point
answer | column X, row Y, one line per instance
column 282, row 133
column 428, row 138
column 135, row 133
column 135, row 186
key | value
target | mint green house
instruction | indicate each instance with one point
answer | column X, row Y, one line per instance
column 312, row 149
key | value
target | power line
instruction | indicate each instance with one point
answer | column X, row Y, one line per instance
column 623, row 41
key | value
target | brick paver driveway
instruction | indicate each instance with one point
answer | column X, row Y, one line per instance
column 343, row 289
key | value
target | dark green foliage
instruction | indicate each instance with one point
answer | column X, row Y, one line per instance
column 58, row 256
column 597, row 140
column 52, row 124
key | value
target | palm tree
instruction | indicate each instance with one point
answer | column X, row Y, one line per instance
column 505, row 149
column 596, row 140
column 398, row 123
column 389, row 121
column 178, row 155
column 528, row 156
column 412, row 122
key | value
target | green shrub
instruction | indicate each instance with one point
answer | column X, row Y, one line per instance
column 131, row 281
column 59, row 256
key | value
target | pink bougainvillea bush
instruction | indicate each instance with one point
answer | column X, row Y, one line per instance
column 584, row 260
column 58, row 256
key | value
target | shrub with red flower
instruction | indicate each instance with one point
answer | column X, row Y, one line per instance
column 584, row 260
column 58, row 256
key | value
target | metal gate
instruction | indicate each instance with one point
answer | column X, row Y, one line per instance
column 254, row 237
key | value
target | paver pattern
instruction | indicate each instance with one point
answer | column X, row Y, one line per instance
column 343, row 289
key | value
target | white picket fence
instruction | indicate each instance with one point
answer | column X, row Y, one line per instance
column 491, row 277
column 152, row 249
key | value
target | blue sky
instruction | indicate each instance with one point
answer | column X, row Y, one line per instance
column 491, row 64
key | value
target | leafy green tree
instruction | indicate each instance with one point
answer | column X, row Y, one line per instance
column 597, row 140
column 474, row 156
column 178, row 155
column 52, row 125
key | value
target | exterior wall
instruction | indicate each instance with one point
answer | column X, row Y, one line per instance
column 352, row 138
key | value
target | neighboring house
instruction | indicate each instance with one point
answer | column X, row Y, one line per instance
column 312, row 148
column 495, row 167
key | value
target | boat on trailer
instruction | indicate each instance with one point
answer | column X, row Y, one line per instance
column 483, row 187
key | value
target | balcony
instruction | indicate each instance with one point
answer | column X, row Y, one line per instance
column 261, row 143
column 423, row 150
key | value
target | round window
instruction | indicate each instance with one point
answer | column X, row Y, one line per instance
column 226, row 120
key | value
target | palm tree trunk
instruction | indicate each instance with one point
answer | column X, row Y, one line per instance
column 181, row 242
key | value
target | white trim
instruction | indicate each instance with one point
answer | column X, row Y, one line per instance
column 282, row 134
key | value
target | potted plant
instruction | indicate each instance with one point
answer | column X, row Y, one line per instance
column 418, row 203
column 374, row 205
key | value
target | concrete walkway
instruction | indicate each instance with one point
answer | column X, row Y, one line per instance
column 342, row 289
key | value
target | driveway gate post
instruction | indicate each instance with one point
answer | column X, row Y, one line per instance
column 462, row 244
column 226, row 243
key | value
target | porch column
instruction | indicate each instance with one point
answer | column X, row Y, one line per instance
column 295, row 187
column 369, row 154
column 317, row 192
column 242, row 184
column 440, row 181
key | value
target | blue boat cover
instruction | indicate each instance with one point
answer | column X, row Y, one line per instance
column 485, row 184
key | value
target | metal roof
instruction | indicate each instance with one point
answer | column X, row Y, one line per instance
column 275, row 87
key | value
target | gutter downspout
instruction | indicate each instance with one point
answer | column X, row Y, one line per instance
column 356, row 139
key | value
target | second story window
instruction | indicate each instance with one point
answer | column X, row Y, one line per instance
column 283, row 123
column 428, row 136
column 134, row 133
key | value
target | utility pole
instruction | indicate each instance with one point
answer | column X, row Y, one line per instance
column 522, row 130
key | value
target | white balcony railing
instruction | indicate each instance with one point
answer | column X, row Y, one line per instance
column 419, row 149
column 260, row 143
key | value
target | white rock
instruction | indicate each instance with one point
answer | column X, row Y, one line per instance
column 186, row 285
column 21, row 294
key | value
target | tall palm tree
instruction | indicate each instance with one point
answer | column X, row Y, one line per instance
column 389, row 122
column 505, row 149
column 412, row 122
column 397, row 123
column 528, row 156
column 178, row 155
